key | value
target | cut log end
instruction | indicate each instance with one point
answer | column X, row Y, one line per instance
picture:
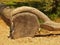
column 25, row 25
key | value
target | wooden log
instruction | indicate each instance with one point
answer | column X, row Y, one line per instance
column 50, row 25
column 35, row 11
column 12, row 14
column 5, row 10
column 25, row 25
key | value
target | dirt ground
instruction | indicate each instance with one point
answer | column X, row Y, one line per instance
column 46, row 40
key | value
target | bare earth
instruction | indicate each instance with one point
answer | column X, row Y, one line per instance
column 46, row 40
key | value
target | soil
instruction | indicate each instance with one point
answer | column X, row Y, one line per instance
column 40, row 40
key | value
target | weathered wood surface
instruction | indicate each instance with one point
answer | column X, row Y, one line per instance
column 12, row 15
column 25, row 25
column 5, row 10
column 35, row 11
column 50, row 25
